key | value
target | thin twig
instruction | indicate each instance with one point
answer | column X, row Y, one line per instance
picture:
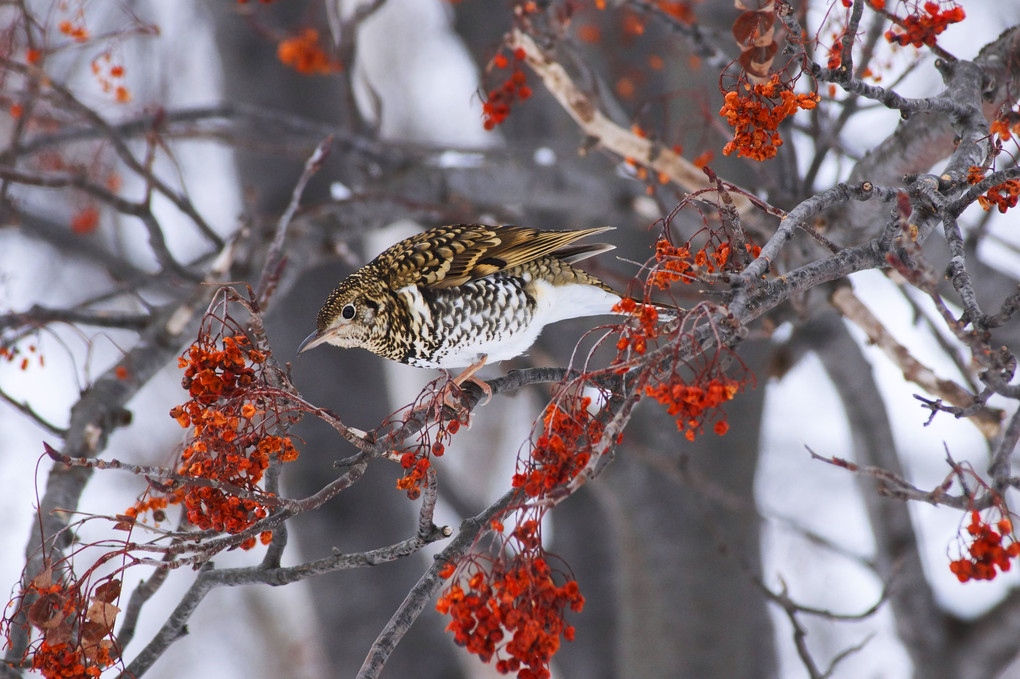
column 987, row 420
column 274, row 257
column 427, row 587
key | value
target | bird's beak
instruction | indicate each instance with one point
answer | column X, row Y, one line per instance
column 312, row 341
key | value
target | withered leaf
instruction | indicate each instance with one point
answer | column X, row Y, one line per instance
column 46, row 612
column 754, row 28
column 60, row 634
column 102, row 613
column 109, row 591
column 44, row 579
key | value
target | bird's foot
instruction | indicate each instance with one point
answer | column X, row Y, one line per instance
column 452, row 392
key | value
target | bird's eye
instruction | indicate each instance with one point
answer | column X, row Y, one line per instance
column 348, row 312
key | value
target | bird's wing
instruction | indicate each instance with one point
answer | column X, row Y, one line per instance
column 452, row 255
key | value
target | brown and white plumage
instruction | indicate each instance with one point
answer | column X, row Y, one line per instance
column 454, row 295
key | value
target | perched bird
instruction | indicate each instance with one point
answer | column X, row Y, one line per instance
column 459, row 295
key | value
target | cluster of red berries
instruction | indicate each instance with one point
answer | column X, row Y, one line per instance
column 988, row 551
column 304, row 53
column 518, row 597
column 75, row 623
column 499, row 101
column 756, row 115
column 921, row 28
column 563, row 449
column 693, row 404
column 675, row 263
column 416, row 461
column 636, row 336
column 230, row 413
column 1003, row 196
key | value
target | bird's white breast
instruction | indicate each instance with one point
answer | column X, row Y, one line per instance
column 515, row 332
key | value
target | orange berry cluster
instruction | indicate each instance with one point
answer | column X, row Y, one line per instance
column 755, row 117
column 305, row 55
column 518, row 597
column 109, row 74
column 497, row 104
column 416, row 461
column 647, row 325
column 416, row 466
column 676, row 263
column 987, row 551
column 1002, row 196
column 694, row 404
column 64, row 661
column 672, row 264
column 229, row 443
column 1005, row 126
column 562, row 451
column 835, row 53
column 75, row 29
column 76, row 630
column 920, row 29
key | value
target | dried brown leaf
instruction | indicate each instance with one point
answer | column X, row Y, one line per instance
column 102, row 613
column 46, row 612
column 754, row 28
column 109, row 591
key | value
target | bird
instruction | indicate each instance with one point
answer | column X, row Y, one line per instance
column 464, row 295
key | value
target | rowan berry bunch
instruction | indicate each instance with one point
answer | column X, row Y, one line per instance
column 498, row 102
column 1002, row 196
column 440, row 424
column 642, row 328
column 512, row 607
column 232, row 412
column 975, row 174
column 692, row 391
column 921, row 27
column 688, row 263
column 562, row 450
column 416, row 461
column 695, row 403
column 755, row 112
column 990, row 550
column 109, row 73
column 1006, row 125
column 73, row 622
column 1005, row 195
column 304, row 53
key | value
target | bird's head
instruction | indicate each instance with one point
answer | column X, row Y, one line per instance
column 352, row 316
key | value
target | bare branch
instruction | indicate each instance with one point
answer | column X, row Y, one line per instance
column 427, row 587
column 274, row 257
column 987, row 420
column 608, row 134
column 892, row 485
